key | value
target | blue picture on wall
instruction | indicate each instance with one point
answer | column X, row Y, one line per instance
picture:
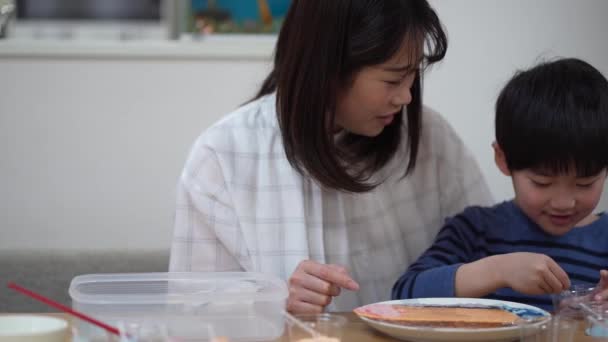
column 234, row 16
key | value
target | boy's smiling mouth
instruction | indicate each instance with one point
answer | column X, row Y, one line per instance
column 560, row 219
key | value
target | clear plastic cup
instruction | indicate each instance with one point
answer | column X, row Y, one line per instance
column 89, row 334
column 567, row 303
column 597, row 319
column 151, row 331
column 555, row 329
column 329, row 328
column 597, row 327
column 139, row 332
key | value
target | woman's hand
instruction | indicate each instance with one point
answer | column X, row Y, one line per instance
column 533, row 273
column 313, row 285
column 601, row 289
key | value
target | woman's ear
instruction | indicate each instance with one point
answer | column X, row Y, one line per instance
column 500, row 159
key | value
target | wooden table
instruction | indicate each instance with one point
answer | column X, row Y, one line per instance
column 357, row 330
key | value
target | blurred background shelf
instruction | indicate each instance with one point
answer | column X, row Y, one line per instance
column 140, row 19
column 258, row 47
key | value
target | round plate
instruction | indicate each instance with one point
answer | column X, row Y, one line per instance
column 436, row 334
column 32, row 328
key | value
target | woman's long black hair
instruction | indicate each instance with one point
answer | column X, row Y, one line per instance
column 321, row 46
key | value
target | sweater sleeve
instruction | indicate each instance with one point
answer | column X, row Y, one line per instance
column 206, row 224
column 434, row 273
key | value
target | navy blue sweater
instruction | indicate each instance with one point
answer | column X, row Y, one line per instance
column 480, row 232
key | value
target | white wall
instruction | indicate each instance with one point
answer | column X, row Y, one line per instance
column 90, row 149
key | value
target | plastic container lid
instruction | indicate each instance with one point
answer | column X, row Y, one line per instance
column 176, row 287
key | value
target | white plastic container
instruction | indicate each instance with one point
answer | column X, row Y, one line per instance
column 243, row 306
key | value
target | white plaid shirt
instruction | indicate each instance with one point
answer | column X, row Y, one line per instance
column 241, row 206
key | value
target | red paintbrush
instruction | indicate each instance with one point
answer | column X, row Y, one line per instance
column 63, row 308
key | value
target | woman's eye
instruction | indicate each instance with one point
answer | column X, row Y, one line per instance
column 540, row 184
column 393, row 82
column 587, row 185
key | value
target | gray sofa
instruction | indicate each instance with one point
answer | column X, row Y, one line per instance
column 49, row 272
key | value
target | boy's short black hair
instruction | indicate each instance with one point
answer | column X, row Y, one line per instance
column 554, row 116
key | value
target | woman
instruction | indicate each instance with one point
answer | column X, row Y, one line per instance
column 335, row 176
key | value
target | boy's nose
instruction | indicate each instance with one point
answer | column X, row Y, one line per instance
column 563, row 202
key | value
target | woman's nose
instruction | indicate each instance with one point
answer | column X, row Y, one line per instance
column 403, row 97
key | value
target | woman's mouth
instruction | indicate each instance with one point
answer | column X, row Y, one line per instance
column 386, row 119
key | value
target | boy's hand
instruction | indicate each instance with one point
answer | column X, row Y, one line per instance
column 313, row 285
column 601, row 289
column 533, row 273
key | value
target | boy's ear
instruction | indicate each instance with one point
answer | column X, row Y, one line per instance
column 500, row 159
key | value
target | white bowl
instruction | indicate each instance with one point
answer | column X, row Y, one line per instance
column 32, row 328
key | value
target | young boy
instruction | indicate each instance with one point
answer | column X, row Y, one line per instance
column 552, row 140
